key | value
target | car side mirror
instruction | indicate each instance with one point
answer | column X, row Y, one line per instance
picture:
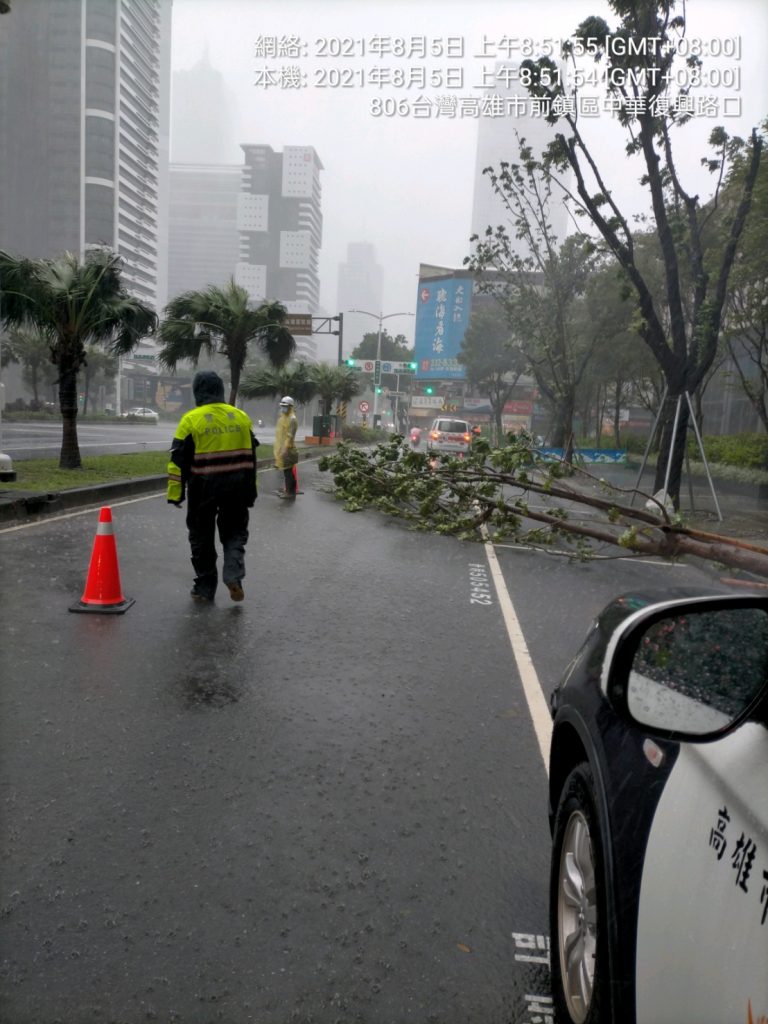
column 693, row 671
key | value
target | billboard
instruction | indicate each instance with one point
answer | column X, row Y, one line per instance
column 442, row 314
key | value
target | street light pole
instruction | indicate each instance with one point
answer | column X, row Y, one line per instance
column 7, row 472
column 377, row 370
column 379, row 317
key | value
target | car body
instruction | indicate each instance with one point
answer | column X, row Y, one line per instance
column 141, row 413
column 659, row 815
column 447, row 434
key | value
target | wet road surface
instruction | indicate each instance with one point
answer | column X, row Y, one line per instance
column 325, row 804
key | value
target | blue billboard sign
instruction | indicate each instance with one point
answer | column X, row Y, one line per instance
column 442, row 315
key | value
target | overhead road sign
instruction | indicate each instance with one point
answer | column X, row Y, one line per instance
column 298, row 323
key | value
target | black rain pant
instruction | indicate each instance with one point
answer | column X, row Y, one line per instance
column 231, row 518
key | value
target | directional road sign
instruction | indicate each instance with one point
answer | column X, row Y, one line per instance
column 398, row 367
column 298, row 323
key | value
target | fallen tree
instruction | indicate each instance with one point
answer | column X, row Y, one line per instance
column 491, row 489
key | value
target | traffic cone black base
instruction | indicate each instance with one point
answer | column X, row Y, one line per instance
column 103, row 609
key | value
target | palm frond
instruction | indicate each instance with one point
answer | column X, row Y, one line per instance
column 264, row 382
column 277, row 344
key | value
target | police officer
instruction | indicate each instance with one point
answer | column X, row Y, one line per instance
column 213, row 465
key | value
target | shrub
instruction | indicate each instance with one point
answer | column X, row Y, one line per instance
column 363, row 435
column 635, row 443
column 749, row 451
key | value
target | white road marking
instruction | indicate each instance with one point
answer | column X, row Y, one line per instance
column 82, row 445
column 534, row 696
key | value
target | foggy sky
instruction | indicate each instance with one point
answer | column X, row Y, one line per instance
column 405, row 184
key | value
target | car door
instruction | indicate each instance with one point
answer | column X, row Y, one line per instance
column 702, row 936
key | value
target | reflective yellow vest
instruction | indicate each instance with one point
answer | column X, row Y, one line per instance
column 221, row 450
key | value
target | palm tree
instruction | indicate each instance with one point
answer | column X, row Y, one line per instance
column 266, row 382
column 334, row 382
column 221, row 320
column 73, row 303
column 30, row 348
column 98, row 365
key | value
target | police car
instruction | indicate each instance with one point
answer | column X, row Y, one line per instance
column 659, row 815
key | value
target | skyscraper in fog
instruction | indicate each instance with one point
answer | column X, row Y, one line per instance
column 359, row 287
column 202, row 117
column 84, row 119
column 203, row 239
column 497, row 141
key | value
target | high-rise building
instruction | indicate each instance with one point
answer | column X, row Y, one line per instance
column 202, row 117
column 281, row 229
column 498, row 139
column 359, row 287
column 281, row 226
column 203, row 239
column 84, row 133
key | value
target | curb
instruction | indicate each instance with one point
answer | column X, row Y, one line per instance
column 18, row 506
column 35, row 504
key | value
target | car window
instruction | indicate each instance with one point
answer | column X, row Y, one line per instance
column 694, row 672
column 453, row 426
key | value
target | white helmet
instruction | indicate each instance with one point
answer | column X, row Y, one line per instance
column 287, row 400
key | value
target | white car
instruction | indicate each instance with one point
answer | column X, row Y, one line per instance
column 659, row 815
column 450, row 435
column 141, row 413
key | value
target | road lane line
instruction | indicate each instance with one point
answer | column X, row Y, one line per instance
column 534, row 696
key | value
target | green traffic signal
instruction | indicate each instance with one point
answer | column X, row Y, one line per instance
column 411, row 366
column 428, row 391
column 378, row 391
column 350, row 362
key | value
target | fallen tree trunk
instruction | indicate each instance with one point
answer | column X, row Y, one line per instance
column 452, row 496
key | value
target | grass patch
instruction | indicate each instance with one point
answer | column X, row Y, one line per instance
column 44, row 475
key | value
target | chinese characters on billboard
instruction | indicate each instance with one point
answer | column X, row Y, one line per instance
column 442, row 315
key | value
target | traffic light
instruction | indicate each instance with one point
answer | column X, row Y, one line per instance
column 378, row 391
column 428, row 391
column 350, row 362
column 412, row 366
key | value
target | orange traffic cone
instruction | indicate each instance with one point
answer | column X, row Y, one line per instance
column 103, row 592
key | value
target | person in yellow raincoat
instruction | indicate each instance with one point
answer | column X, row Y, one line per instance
column 285, row 452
